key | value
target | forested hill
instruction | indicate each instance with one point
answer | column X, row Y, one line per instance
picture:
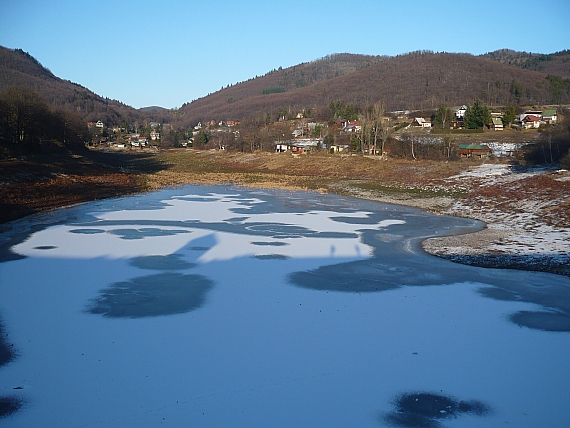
column 18, row 68
column 418, row 80
column 557, row 63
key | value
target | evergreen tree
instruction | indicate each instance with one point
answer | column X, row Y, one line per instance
column 443, row 117
column 477, row 116
column 510, row 115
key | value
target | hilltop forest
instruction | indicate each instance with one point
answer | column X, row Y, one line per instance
column 35, row 105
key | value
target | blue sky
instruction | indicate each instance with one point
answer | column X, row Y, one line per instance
column 170, row 52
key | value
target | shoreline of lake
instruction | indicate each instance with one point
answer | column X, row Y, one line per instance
column 492, row 247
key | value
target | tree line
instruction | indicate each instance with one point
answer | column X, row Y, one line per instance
column 27, row 120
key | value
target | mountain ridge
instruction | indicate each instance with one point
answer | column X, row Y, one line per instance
column 416, row 80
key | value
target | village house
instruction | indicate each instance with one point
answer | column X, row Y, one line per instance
column 353, row 126
column 530, row 121
column 460, row 113
column 282, row 147
column 421, row 122
column 536, row 113
column 471, row 150
column 338, row 148
column 497, row 123
column 549, row 116
column 154, row 136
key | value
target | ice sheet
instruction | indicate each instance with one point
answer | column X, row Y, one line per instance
column 108, row 334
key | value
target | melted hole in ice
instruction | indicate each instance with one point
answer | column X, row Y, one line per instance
column 168, row 262
column 425, row 409
column 45, row 247
column 269, row 244
column 151, row 296
column 546, row 321
column 144, row 232
column 87, row 231
column 272, row 257
column 9, row 405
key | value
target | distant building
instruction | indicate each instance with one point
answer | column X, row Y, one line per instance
column 549, row 116
column 497, row 123
column 531, row 121
column 460, row 113
column 421, row 122
column 471, row 150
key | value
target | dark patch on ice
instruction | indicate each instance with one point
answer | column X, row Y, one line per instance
column 539, row 320
column 151, row 296
column 87, row 231
column 369, row 219
column 279, row 231
column 272, row 257
column 270, row 244
column 198, row 198
column 9, row 405
column 273, row 230
column 45, row 247
column 355, row 277
column 145, row 232
column 168, row 262
column 499, row 294
column 200, row 248
column 7, row 352
column 426, row 410
column 554, row 317
column 390, row 272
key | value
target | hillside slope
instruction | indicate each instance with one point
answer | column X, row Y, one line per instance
column 21, row 69
column 419, row 80
column 557, row 63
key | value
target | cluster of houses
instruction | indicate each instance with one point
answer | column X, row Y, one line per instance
column 133, row 140
column 528, row 119
column 306, row 136
column 533, row 119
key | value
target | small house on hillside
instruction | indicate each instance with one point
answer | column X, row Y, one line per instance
column 460, row 113
column 497, row 123
column 471, row 150
column 282, row 147
column 549, row 116
column 536, row 113
column 531, row 121
column 421, row 122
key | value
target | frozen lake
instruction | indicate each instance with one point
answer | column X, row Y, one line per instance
column 217, row 307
